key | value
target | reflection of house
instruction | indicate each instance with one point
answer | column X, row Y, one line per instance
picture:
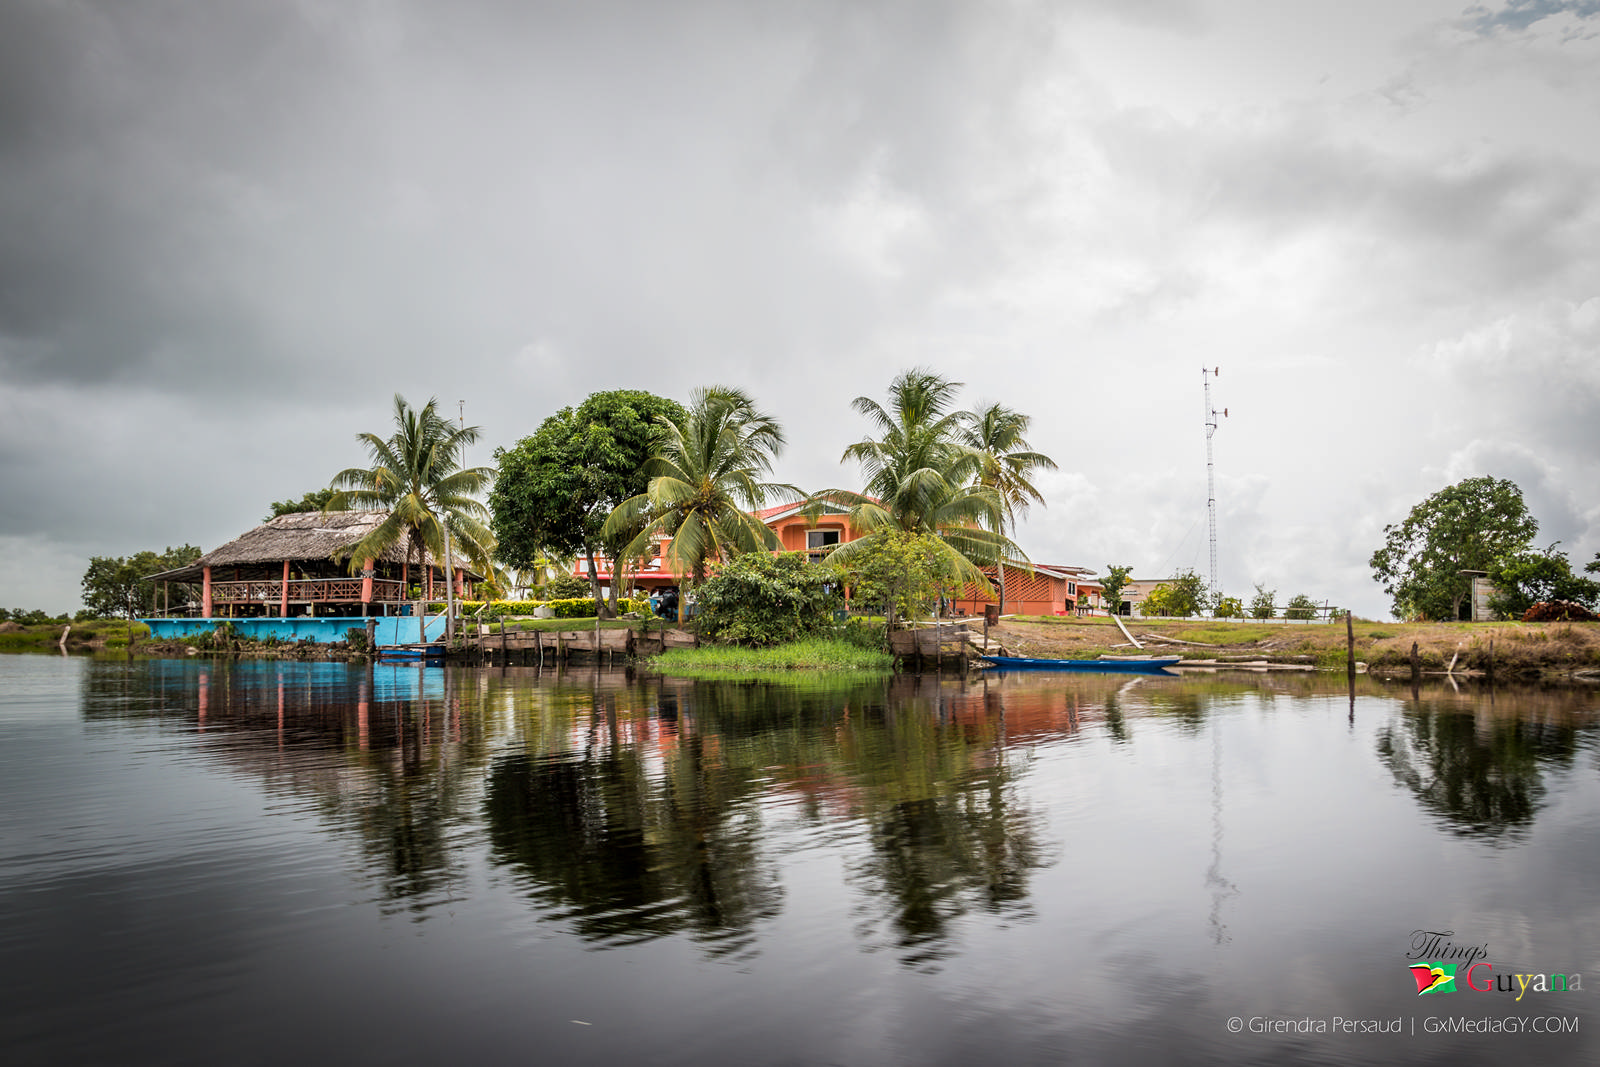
column 285, row 570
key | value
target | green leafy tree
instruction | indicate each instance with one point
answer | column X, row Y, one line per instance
column 1301, row 607
column 1228, row 607
column 901, row 570
column 315, row 500
column 1527, row 578
column 1005, row 464
column 1263, row 604
column 1467, row 526
column 29, row 616
column 922, row 477
column 1112, row 585
column 1184, row 595
column 706, row 477
column 431, row 499
column 1593, row 566
column 558, row 486
column 120, row 585
column 763, row 599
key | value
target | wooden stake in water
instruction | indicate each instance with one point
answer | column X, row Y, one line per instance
column 1350, row 636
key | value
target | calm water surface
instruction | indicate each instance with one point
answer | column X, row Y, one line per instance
column 276, row 862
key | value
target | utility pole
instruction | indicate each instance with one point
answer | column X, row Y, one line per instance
column 1206, row 374
column 449, row 561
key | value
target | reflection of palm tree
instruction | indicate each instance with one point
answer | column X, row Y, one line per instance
column 947, row 833
column 1483, row 778
column 628, row 859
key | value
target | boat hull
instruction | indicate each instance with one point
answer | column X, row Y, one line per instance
column 410, row 653
column 1156, row 665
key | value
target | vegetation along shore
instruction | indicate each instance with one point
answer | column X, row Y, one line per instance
column 1509, row 650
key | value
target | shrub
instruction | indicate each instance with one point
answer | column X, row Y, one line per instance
column 1301, row 607
column 567, row 587
column 760, row 599
column 1228, row 607
column 860, row 633
column 1183, row 596
column 583, row 607
column 901, row 572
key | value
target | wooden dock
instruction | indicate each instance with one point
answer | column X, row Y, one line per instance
column 552, row 647
column 953, row 644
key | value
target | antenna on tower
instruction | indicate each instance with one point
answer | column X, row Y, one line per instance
column 1206, row 374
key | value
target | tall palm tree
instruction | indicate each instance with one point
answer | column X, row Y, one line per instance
column 922, row 477
column 707, row 478
column 417, row 477
column 1004, row 462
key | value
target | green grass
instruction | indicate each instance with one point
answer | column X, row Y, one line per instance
column 816, row 654
column 47, row 636
column 1238, row 633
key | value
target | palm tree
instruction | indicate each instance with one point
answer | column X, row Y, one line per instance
column 1004, row 461
column 417, row 477
column 707, row 479
column 922, row 477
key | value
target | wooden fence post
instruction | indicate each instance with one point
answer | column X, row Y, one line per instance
column 1350, row 635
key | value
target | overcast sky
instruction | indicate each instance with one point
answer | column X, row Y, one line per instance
column 232, row 230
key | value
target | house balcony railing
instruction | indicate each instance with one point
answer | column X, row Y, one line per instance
column 306, row 591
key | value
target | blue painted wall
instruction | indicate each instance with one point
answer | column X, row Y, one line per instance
column 391, row 629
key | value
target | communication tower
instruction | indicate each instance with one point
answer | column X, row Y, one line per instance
column 1206, row 374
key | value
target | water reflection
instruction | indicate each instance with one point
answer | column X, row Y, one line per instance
column 1022, row 869
column 1480, row 770
column 635, row 808
column 386, row 755
column 629, row 844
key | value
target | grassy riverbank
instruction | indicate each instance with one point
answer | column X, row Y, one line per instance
column 91, row 633
column 1519, row 649
column 816, row 654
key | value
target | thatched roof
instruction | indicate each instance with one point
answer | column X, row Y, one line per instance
column 305, row 535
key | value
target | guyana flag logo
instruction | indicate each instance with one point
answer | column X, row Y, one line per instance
column 1434, row 977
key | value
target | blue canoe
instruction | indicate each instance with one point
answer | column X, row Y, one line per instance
column 1154, row 665
column 410, row 653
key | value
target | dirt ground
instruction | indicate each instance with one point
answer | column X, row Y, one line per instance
column 1510, row 648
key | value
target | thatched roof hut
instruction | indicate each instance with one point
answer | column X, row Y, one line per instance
column 306, row 537
column 299, row 561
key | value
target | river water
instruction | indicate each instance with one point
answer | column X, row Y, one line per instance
column 264, row 862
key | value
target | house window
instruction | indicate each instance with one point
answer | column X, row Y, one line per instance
column 1072, row 588
column 819, row 539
